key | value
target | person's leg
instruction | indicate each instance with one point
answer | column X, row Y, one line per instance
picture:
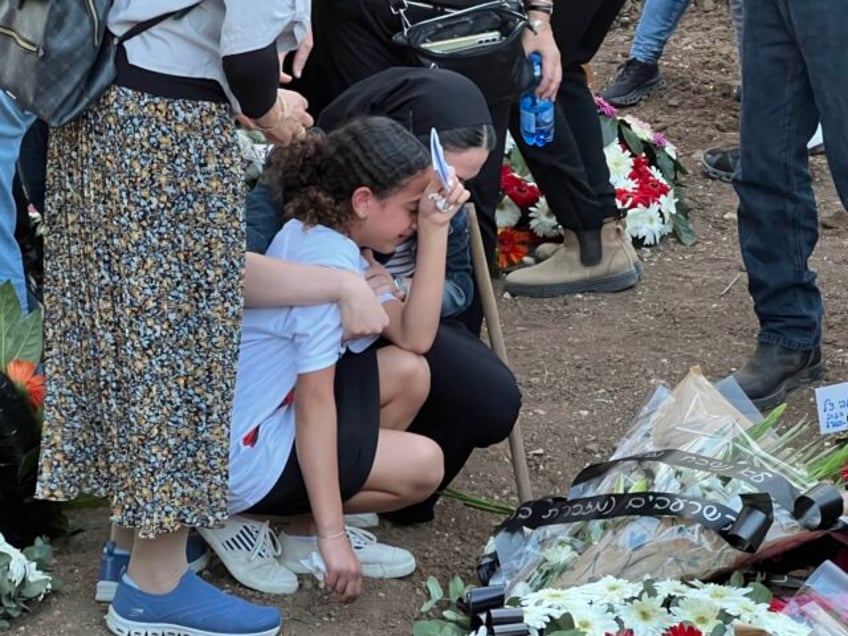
column 737, row 14
column 657, row 24
column 157, row 565
column 778, row 224
column 404, row 385
column 821, row 29
column 13, row 125
column 473, row 403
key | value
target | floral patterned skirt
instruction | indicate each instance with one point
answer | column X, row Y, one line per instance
column 143, row 294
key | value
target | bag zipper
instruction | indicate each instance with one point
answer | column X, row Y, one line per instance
column 93, row 13
column 21, row 42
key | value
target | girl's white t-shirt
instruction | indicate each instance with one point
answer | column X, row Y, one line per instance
column 277, row 344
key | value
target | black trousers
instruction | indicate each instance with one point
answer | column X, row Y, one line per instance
column 572, row 169
column 473, row 403
column 353, row 40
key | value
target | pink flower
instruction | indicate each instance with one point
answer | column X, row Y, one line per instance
column 659, row 140
column 604, row 108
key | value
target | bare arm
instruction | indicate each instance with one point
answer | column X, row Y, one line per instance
column 316, row 444
column 271, row 282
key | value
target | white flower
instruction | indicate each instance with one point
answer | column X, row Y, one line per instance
column 726, row 597
column 481, row 631
column 507, row 213
column 537, row 616
column 747, row 610
column 668, row 206
column 657, row 174
column 560, row 554
column 671, row 587
column 700, row 612
column 642, row 129
column 645, row 616
column 776, row 623
column 18, row 564
column 611, row 590
column 556, row 601
column 670, row 149
column 593, row 621
column 620, row 164
column 542, row 220
column 509, row 144
column 646, row 224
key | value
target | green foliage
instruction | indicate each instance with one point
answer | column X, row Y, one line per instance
column 20, row 585
column 453, row 621
column 20, row 336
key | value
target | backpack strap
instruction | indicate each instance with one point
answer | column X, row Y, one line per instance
column 141, row 27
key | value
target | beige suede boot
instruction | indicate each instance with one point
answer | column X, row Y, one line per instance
column 613, row 232
column 544, row 251
column 564, row 273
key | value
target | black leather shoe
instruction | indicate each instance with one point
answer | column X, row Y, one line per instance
column 635, row 80
column 773, row 371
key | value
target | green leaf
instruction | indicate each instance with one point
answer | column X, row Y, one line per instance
column 683, row 229
column 437, row 627
column 428, row 605
column 5, row 560
column 456, row 589
column 737, row 579
column 455, row 617
column 609, row 130
column 20, row 336
column 759, row 593
column 666, row 166
column 35, row 589
column 632, row 140
column 565, row 632
column 4, row 625
column 435, row 589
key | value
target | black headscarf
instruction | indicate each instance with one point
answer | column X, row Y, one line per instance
column 418, row 98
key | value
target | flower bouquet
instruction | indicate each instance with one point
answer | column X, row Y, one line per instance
column 24, row 578
column 694, row 490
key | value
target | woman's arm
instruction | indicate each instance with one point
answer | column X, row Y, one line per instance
column 271, row 282
column 316, row 445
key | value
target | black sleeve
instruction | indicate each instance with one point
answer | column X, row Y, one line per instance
column 253, row 78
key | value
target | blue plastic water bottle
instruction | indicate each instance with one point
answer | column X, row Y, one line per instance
column 537, row 115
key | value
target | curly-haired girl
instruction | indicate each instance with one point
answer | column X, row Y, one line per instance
column 366, row 185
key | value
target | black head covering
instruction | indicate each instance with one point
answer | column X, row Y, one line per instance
column 418, row 98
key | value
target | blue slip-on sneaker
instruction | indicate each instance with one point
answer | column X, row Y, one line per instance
column 114, row 562
column 193, row 608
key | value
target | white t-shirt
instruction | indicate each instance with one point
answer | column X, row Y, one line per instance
column 277, row 344
column 193, row 45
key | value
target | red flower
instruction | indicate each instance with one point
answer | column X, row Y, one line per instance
column 683, row 630
column 845, row 473
column 512, row 246
column 777, row 604
column 522, row 193
column 23, row 374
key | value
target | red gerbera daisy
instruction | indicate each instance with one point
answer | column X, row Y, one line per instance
column 683, row 630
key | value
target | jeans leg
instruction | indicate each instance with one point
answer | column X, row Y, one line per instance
column 656, row 25
column 778, row 225
column 737, row 14
column 821, row 29
column 13, row 125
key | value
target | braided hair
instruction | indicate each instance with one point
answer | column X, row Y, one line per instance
column 320, row 173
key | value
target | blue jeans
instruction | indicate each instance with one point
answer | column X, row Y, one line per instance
column 794, row 60
column 13, row 125
column 657, row 24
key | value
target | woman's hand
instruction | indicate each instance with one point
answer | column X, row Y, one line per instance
column 439, row 204
column 300, row 58
column 542, row 42
column 362, row 313
column 286, row 121
column 379, row 278
column 344, row 572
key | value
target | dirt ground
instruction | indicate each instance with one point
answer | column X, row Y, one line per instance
column 585, row 363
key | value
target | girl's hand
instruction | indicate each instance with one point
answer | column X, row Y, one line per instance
column 344, row 572
column 439, row 204
column 362, row 313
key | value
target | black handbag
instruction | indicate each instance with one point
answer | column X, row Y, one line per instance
column 482, row 42
column 57, row 57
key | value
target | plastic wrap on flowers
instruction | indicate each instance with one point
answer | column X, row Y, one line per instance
column 710, row 491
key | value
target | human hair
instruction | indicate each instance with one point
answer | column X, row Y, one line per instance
column 467, row 137
column 319, row 173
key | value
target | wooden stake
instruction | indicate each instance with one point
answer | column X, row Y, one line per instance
column 493, row 323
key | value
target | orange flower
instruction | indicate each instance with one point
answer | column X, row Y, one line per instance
column 23, row 374
column 512, row 246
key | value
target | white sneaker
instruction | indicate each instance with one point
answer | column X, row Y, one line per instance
column 249, row 551
column 363, row 520
column 379, row 561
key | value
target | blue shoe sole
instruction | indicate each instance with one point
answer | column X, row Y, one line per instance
column 121, row 626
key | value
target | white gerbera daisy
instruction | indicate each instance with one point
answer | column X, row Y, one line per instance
column 560, row 554
column 620, row 164
column 724, row 596
column 507, row 213
column 611, row 590
column 668, row 205
column 646, row 224
column 542, row 220
column 593, row 621
column 645, row 616
column 657, row 174
column 538, row 616
column 671, row 587
column 642, row 129
column 776, row 623
column 747, row 610
column 700, row 612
